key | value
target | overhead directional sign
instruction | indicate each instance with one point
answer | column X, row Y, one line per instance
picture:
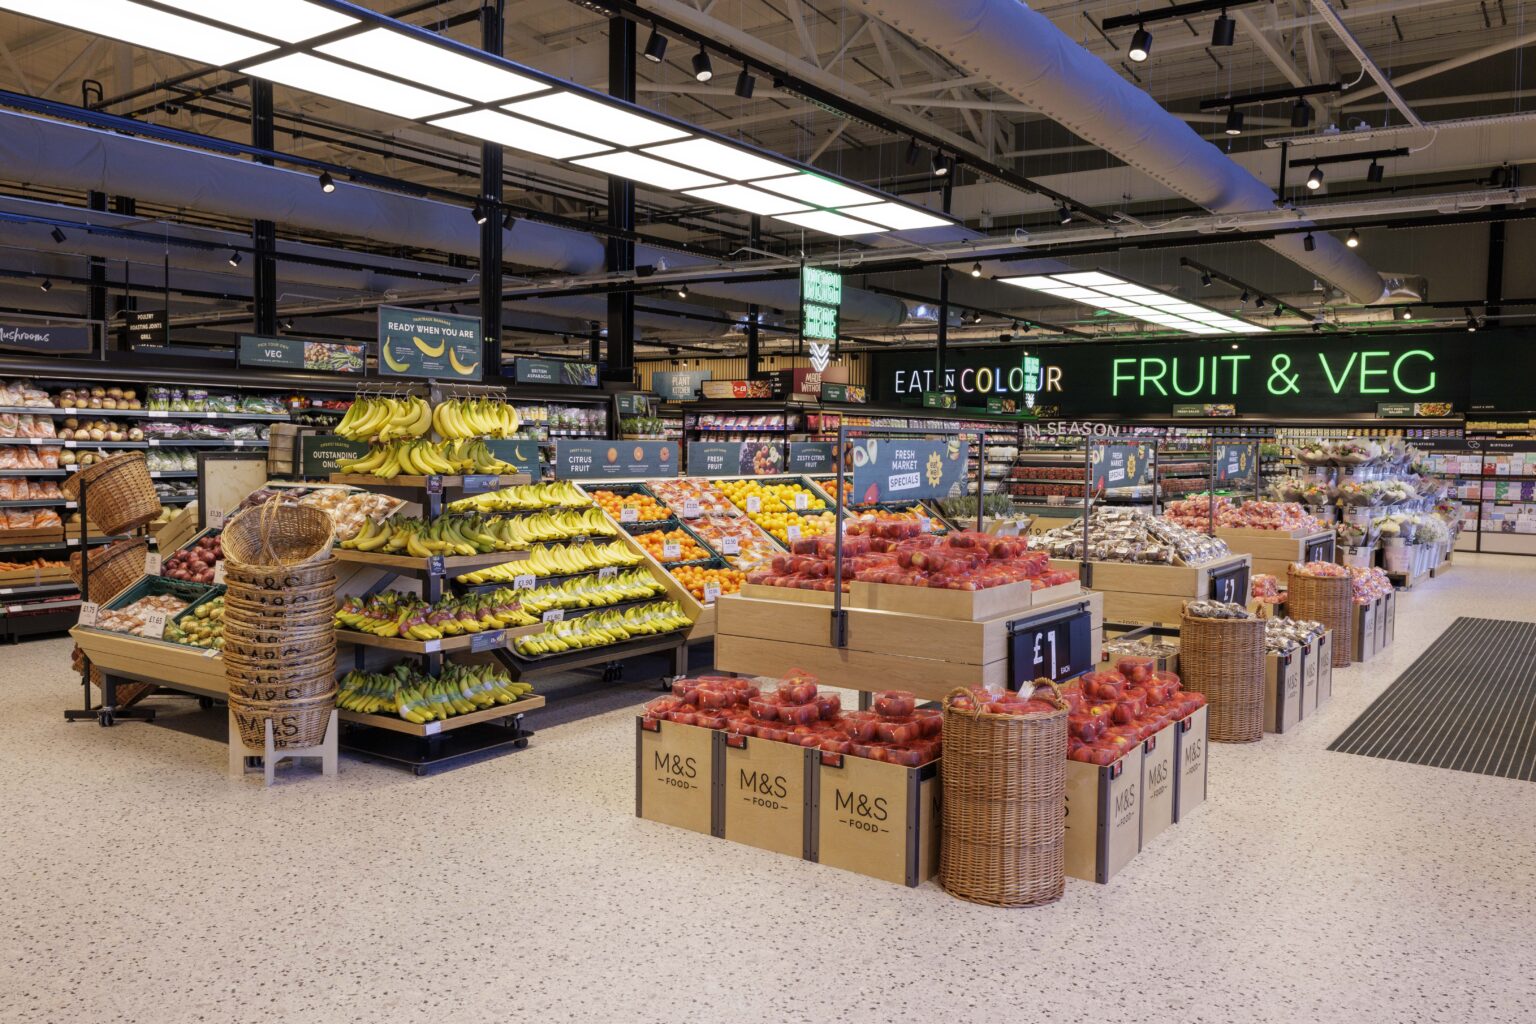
column 821, row 304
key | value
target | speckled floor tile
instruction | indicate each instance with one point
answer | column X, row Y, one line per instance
column 140, row 885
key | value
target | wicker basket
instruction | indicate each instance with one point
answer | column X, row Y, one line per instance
column 285, row 601
column 318, row 659
column 1224, row 659
column 295, row 723
column 276, row 535
column 309, row 616
column 113, row 568
column 1325, row 599
column 258, row 577
column 119, row 491
column 1004, row 808
column 263, row 653
column 267, row 691
column 277, row 633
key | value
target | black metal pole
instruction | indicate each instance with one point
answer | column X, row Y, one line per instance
column 595, row 343
column 98, row 268
column 491, row 232
column 621, row 213
column 263, row 232
column 1495, row 285
column 755, row 240
column 941, row 354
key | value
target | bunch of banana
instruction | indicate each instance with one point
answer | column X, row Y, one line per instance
column 556, row 560
column 564, row 525
column 386, row 418
column 591, row 592
column 475, row 417
column 392, row 614
column 525, row 498
column 445, row 535
column 598, row 629
column 420, row 699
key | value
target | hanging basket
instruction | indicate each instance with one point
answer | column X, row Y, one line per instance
column 1224, row 659
column 276, row 535
column 113, row 568
column 119, row 492
column 1324, row 599
column 1004, row 809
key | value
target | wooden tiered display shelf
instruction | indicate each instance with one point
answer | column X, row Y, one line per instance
column 1135, row 592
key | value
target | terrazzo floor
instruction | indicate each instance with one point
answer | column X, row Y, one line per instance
column 138, row 884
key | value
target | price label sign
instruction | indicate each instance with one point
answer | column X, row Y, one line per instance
column 1058, row 650
column 436, row 566
column 152, row 563
column 435, row 484
column 218, row 572
column 730, row 545
column 480, row 483
column 1320, row 550
column 1230, row 585
column 691, row 508
column 88, row 612
column 215, row 518
column 754, row 504
column 711, row 592
column 154, row 625
column 157, row 414
column 802, row 501
column 490, row 640
column 554, row 615
column 792, row 533
column 671, row 551
column 524, row 582
column 607, row 572
column 629, row 514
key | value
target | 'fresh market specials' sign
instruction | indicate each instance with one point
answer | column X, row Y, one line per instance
column 1121, row 465
column 898, row 470
column 420, row 343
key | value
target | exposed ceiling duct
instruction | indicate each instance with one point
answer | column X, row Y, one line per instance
column 34, row 149
column 1024, row 54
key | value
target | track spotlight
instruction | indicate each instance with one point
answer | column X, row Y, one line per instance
column 1472, row 324
column 1064, row 214
column 976, row 270
column 1243, row 297
column 1301, row 114
column 745, row 83
column 1223, row 30
column 1404, row 313
column 941, row 164
column 703, row 70
column 1317, row 326
column 1315, row 179
column 1141, row 45
column 1258, row 303
column 1234, row 122
column 682, row 291
column 508, row 219
column 47, row 284
column 913, row 151
column 1352, row 239
column 655, row 46
column 1308, row 242
column 58, row 235
column 288, row 324
column 1205, row 279
column 1374, row 172
column 235, row 257
column 480, row 213
column 327, row 183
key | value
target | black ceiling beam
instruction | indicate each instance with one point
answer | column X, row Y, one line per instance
column 913, row 297
column 1225, row 278
column 1173, row 13
column 1244, row 99
column 1350, row 158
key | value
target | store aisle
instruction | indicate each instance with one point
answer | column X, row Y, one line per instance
column 141, row 885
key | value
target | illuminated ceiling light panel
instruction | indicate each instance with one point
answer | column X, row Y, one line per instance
column 752, row 200
column 1037, row 282
column 644, row 169
column 515, row 133
column 895, row 216
column 1106, row 291
column 312, row 74
column 1088, row 279
column 1083, row 294
column 718, row 158
column 435, row 66
column 830, row 223
column 599, row 120
column 815, row 190
column 1129, row 291
column 146, row 27
column 292, row 21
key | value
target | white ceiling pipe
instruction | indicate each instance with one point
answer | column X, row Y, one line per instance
column 1028, row 57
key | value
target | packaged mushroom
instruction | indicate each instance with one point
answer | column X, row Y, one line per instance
column 1281, row 635
column 1131, row 535
column 1204, row 609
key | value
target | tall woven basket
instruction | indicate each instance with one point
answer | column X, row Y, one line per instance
column 119, row 492
column 1224, row 659
column 113, row 568
column 280, row 650
column 1004, row 810
column 1324, row 599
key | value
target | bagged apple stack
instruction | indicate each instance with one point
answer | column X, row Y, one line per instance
column 899, row 552
column 896, row 731
column 1110, row 711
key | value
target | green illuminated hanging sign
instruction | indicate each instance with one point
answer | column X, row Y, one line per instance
column 821, row 303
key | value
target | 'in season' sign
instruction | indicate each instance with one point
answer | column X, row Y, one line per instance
column 419, row 343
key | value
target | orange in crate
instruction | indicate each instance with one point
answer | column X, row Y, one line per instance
column 695, row 578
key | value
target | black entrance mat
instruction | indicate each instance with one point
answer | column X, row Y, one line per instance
column 1468, row 704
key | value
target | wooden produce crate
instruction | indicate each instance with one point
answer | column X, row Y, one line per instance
column 178, row 666
column 1283, row 691
column 703, row 615
column 875, row 818
column 1158, row 782
column 181, row 528
column 764, row 790
column 1274, row 550
column 1191, row 763
column 678, row 771
column 934, row 602
column 1156, row 593
column 904, row 650
column 1103, row 816
column 33, row 575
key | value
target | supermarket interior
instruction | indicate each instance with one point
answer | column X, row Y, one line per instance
column 1026, row 494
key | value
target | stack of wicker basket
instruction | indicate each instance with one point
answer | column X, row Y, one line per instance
column 1224, row 659
column 1325, row 599
column 279, row 643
